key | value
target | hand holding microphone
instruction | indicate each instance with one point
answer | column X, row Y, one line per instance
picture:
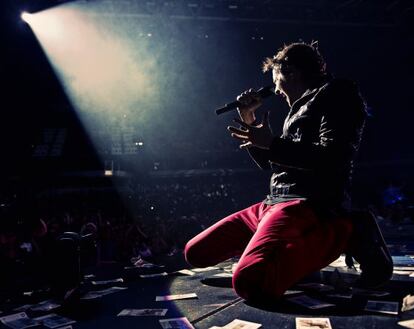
column 249, row 102
column 247, row 96
column 249, row 133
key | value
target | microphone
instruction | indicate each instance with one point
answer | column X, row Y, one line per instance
column 263, row 93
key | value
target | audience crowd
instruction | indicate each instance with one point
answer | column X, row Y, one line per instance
column 147, row 219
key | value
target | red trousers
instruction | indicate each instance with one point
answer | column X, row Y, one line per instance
column 278, row 244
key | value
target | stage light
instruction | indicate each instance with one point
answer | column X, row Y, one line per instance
column 26, row 17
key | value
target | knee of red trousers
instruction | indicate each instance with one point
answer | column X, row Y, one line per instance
column 252, row 282
column 195, row 254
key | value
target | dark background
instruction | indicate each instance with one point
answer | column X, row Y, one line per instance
column 206, row 55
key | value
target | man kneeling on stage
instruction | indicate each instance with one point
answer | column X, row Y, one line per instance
column 303, row 224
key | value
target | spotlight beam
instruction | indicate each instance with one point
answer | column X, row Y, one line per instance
column 26, row 17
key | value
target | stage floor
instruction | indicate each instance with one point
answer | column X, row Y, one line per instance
column 216, row 303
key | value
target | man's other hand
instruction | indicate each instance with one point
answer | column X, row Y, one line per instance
column 260, row 136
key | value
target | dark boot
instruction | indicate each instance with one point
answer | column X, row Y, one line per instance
column 368, row 248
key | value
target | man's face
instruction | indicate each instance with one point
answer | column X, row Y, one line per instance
column 285, row 78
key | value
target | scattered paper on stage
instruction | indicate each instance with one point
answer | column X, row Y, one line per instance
column 407, row 324
column 241, row 324
column 293, row 292
column 54, row 321
column 223, row 275
column 143, row 312
column 100, row 293
column 184, row 272
column 339, row 262
column 398, row 272
column 175, row 297
column 18, row 321
column 103, row 282
column 154, row 275
column 176, row 323
column 408, row 303
column 378, row 306
column 313, row 323
column 205, row 269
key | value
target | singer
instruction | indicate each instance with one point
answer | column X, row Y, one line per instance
column 302, row 225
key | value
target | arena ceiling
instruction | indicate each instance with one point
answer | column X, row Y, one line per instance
column 381, row 13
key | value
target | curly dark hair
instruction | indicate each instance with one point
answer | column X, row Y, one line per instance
column 305, row 56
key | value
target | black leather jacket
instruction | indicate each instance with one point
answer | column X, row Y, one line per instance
column 313, row 159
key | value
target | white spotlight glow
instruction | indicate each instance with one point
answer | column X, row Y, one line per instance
column 26, row 17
